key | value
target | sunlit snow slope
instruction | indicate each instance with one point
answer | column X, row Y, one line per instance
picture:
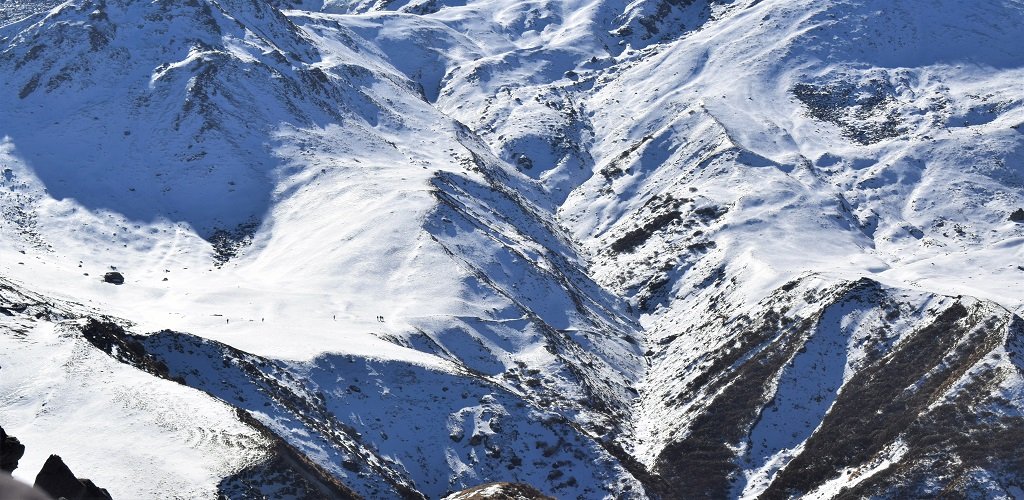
column 647, row 249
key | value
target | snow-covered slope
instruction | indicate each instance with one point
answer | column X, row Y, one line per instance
column 605, row 248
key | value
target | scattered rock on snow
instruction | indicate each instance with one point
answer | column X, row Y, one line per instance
column 114, row 277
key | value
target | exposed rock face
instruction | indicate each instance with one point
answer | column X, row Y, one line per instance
column 114, row 277
column 1017, row 215
column 11, row 450
column 286, row 472
column 112, row 339
column 56, row 479
column 862, row 376
column 500, row 491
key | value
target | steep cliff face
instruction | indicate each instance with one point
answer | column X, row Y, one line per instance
column 832, row 391
column 640, row 249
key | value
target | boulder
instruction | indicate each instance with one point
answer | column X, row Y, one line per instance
column 11, row 450
column 56, row 479
column 114, row 277
column 1017, row 215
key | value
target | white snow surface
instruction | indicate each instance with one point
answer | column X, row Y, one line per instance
column 61, row 395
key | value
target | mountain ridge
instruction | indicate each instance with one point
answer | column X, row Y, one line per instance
column 680, row 245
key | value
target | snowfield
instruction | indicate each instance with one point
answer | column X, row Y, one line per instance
column 608, row 249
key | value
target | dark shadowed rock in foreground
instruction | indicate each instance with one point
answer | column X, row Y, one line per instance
column 1017, row 215
column 56, row 479
column 500, row 491
column 11, row 450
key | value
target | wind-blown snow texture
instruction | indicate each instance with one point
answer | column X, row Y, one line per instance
column 647, row 249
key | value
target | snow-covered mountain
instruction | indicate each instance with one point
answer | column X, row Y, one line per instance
column 607, row 249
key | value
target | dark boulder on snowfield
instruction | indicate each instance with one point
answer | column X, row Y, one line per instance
column 56, row 479
column 1017, row 215
column 114, row 277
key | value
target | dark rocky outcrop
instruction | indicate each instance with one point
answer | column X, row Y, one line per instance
column 500, row 491
column 285, row 471
column 931, row 388
column 11, row 450
column 865, row 111
column 114, row 277
column 111, row 338
column 1017, row 215
column 56, row 479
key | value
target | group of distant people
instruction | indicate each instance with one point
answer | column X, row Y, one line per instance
column 380, row 319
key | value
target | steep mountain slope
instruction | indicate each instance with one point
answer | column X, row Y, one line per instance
column 238, row 129
column 748, row 248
